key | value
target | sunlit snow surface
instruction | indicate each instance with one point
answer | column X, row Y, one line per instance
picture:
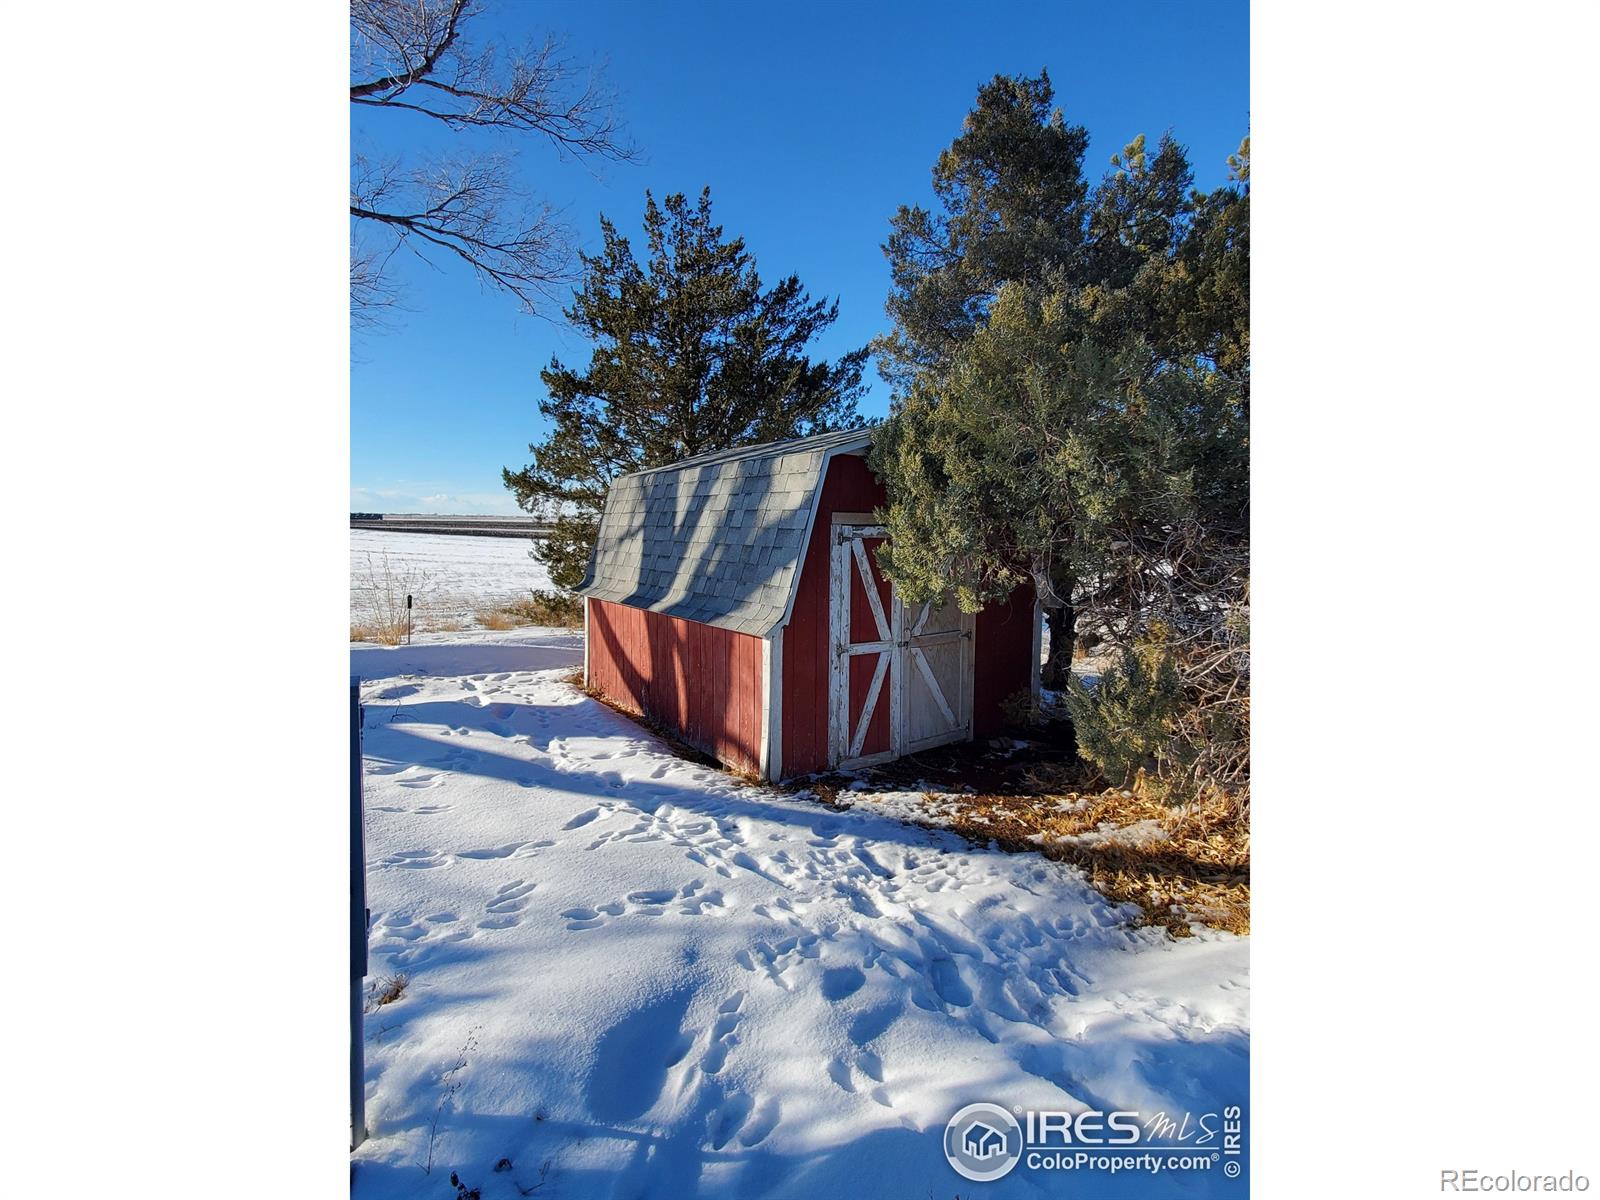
column 670, row 984
column 451, row 576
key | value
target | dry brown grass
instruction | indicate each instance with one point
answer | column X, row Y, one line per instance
column 379, row 595
column 1193, row 865
column 385, row 633
column 555, row 610
column 1180, row 864
column 498, row 618
column 386, row 991
column 392, row 634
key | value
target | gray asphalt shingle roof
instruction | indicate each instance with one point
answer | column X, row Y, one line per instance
column 717, row 538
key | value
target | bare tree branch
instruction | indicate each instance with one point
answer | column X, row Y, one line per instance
column 413, row 56
column 416, row 35
column 468, row 208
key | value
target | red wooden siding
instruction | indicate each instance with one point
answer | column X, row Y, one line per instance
column 1004, row 662
column 849, row 487
column 702, row 681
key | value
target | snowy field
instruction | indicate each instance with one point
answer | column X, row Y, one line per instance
column 632, row 976
column 451, row 575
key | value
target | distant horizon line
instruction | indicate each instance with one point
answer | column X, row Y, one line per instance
column 370, row 515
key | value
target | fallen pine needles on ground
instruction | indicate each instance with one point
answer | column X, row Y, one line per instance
column 1179, row 863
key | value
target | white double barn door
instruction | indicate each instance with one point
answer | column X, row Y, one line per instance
column 901, row 677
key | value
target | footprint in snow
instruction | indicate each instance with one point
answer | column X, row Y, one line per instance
column 776, row 960
column 400, row 927
column 511, row 850
column 723, row 1036
column 761, row 1123
column 729, row 1118
column 840, row 982
column 505, row 910
column 591, row 918
column 697, row 856
column 645, row 829
column 650, row 902
column 843, row 1075
column 416, row 859
column 947, row 982
column 409, row 943
column 697, row 905
column 839, row 1072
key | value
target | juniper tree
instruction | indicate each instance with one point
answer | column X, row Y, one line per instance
column 691, row 354
column 1040, row 455
column 1071, row 372
column 1013, row 202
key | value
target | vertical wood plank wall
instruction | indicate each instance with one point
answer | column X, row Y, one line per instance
column 705, row 682
column 849, row 487
column 702, row 681
column 1004, row 643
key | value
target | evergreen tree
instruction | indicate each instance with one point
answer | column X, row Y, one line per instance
column 691, row 354
column 1012, row 206
column 1071, row 373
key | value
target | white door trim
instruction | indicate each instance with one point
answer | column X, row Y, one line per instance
column 848, row 560
column 586, row 603
column 898, row 650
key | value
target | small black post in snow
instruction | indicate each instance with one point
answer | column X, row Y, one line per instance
column 358, row 924
column 408, row 618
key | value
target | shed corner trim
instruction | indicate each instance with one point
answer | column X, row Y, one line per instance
column 772, row 706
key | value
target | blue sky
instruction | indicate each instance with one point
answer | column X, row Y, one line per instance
column 811, row 124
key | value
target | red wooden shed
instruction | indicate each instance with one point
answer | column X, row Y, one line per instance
column 735, row 598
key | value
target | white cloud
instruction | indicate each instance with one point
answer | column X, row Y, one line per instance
column 405, row 496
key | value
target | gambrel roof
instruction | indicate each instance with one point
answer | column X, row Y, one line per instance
column 718, row 538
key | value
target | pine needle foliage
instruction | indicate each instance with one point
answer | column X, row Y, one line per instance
column 692, row 353
column 1071, row 408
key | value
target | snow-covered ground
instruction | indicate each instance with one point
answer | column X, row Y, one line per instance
column 451, row 575
column 632, row 976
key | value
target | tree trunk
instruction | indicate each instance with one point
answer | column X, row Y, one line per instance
column 1063, row 630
